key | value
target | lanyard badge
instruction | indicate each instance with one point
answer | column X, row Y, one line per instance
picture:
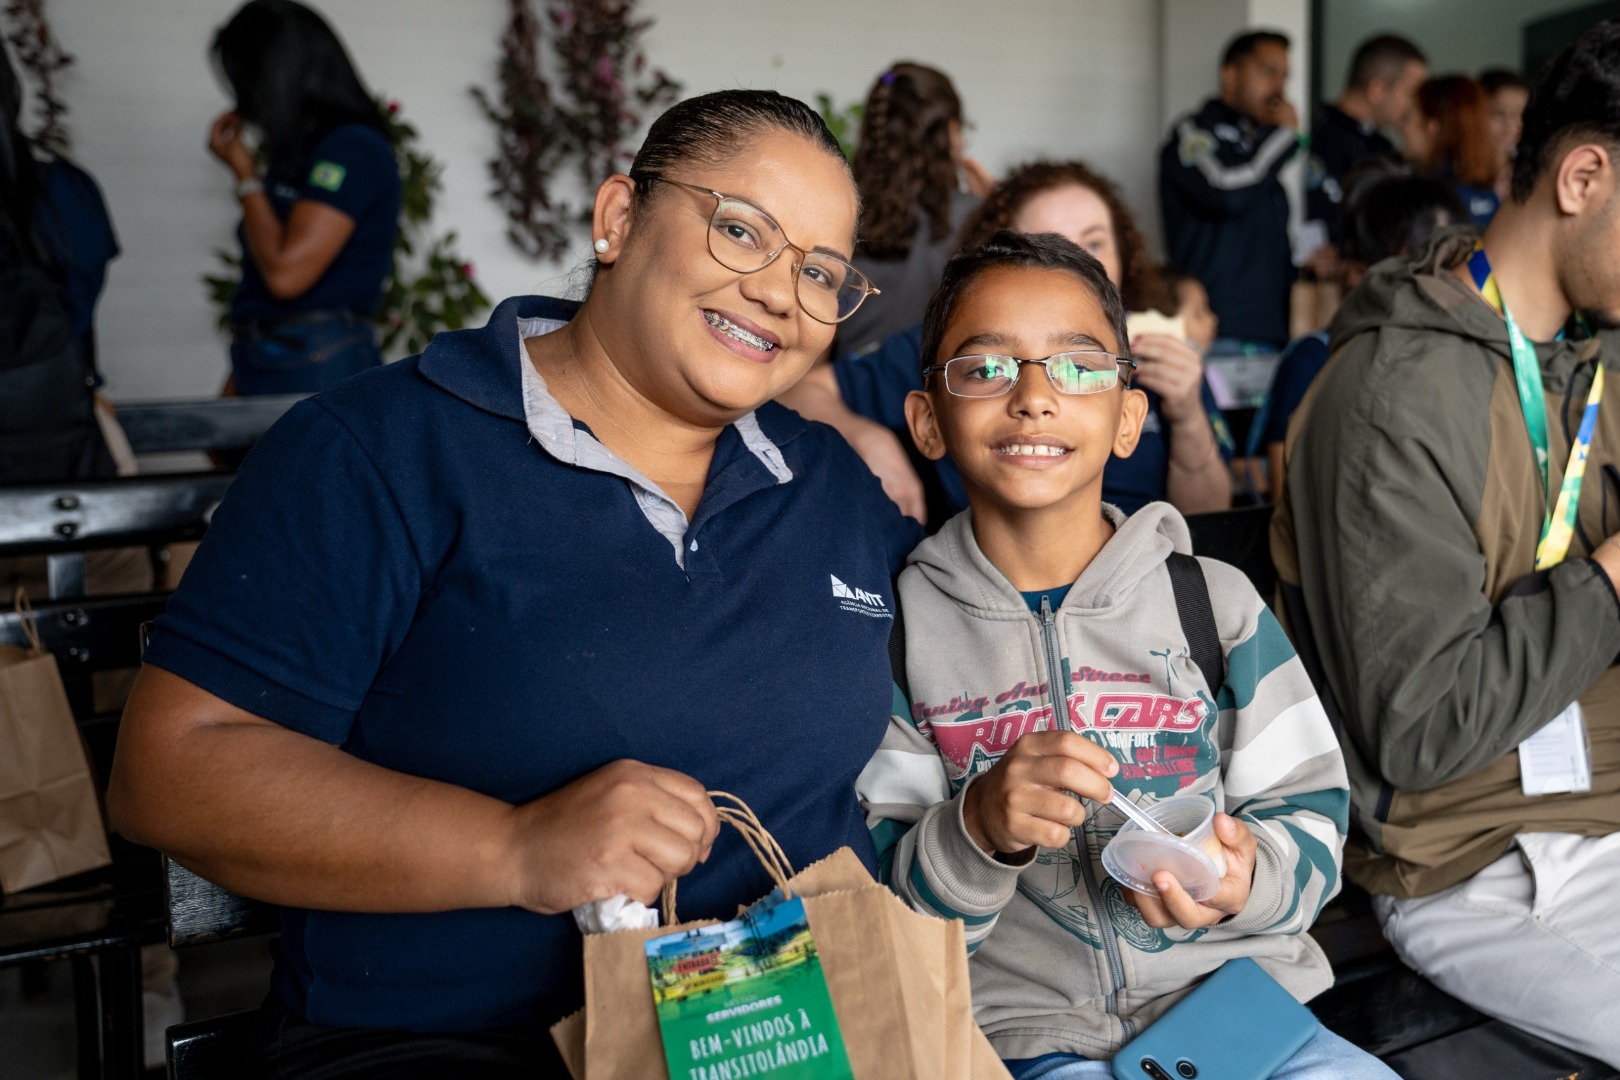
column 1558, row 521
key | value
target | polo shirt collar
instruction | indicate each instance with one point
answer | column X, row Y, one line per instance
column 482, row 365
column 478, row 366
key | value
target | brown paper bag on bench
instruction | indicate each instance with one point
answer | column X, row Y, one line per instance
column 898, row 982
column 50, row 819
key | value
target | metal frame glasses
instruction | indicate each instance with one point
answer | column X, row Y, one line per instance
column 827, row 288
column 989, row 375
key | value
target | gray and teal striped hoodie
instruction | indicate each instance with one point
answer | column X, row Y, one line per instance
column 1060, row 961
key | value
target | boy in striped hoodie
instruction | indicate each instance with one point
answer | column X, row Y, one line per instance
column 1047, row 665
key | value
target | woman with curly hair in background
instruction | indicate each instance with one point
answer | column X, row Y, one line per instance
column 1183, row 453
column 912, row 207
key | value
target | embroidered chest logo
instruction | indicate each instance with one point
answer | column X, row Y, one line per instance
column 859, row 601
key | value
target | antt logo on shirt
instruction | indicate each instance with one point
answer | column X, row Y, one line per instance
column 859, row 601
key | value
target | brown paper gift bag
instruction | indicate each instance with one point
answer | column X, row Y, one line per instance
column 50, row 820
column 898, row 980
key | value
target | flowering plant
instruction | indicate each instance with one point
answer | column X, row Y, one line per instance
column 42, row 56
column 602, row 80
column 527, row 155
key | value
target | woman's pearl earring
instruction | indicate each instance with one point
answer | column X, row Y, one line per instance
column 601, row 246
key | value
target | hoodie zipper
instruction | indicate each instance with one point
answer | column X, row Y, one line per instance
column 1058, row 696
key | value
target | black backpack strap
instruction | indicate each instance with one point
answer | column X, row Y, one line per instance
column 1197, row 618
column 897, row 653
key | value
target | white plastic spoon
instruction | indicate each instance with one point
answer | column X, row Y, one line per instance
column 1136, row 813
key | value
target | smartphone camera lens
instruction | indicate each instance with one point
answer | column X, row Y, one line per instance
column 1153, row 1070
column 1187, row 1069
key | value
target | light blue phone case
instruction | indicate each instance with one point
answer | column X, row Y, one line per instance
column 1238, row 1025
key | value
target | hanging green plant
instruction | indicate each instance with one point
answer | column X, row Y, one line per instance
column 584, row 115
column 431, row 288
column 844, row 123
column 42, row 56
column 598, row 47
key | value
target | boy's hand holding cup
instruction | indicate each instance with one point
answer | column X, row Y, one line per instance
column 1027, row 799
column 1173, row 907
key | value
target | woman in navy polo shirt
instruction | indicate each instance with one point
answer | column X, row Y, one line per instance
column 318, row 229
column 473, row 633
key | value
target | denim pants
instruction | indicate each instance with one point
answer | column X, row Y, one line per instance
column 1325, row 1057
column 300, row 356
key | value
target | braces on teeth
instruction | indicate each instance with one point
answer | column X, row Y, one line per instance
column 730, row 329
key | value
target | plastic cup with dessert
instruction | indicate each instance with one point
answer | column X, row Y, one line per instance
column 1191, row 852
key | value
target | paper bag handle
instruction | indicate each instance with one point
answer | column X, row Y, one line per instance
column 764, row 846
column 30, row 625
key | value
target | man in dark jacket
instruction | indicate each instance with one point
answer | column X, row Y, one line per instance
column 1379, row 95
column 1448, row 551
column 1225, row 212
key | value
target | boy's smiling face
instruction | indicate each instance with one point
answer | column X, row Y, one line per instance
column 1033, row 447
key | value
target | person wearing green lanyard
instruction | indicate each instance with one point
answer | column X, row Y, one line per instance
column 1448, row 556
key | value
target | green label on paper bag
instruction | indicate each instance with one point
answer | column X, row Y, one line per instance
column 747, row 998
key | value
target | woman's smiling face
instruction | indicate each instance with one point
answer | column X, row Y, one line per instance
column 707, row 343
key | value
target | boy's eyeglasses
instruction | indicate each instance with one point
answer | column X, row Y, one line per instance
column 986, row 375
column 744, row 238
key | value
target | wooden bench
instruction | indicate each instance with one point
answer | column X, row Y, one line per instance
column 200, row 912
column 64, row 521
column 216, row 424
column 1240, row 536
column 97, row 921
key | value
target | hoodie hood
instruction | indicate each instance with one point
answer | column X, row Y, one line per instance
column 952, row 562
column 1423, row 294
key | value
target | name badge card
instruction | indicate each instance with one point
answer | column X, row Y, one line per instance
column 747, row 998
column 1554, row 760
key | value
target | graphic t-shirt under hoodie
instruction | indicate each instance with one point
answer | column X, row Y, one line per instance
column 1061, row 961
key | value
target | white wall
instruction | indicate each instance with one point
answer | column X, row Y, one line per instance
column 1055, row 77
column 1457, row 35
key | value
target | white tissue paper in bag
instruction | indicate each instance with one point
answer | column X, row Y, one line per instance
column 615, row 913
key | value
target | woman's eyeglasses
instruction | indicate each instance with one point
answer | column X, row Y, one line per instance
column 986, row 375
column 744, row 238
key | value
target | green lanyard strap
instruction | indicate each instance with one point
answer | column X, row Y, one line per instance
column 1558, row 522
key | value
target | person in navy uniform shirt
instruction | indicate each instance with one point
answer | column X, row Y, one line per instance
column 1225, row 211
column 1379, row 95
column 318, row 228
column 474, row 633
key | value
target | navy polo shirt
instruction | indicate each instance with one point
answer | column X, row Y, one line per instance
column 434, row 567
column 352, row 169
column 875, row 384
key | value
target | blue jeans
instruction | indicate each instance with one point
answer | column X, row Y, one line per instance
column 1325, row 1057
column 300, row 357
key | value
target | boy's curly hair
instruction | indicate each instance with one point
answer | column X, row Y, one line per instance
column 903, row 164
column 1140, row 287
